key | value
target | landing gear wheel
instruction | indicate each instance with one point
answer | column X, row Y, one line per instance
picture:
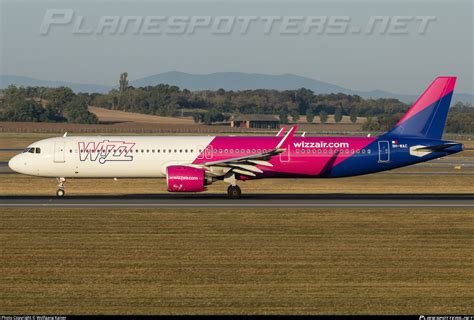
column 234, row 192
column 60, row 192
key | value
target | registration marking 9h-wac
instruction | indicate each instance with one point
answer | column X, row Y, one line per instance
column 105, row 151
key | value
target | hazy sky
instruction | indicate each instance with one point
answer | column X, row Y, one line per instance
column 399, row 60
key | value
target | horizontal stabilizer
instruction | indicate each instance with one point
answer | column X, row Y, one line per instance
column 439, row 147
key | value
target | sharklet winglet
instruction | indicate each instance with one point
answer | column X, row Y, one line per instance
column 288, row 136
column 281, row 132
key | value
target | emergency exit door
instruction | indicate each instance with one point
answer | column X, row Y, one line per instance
column 384, row 151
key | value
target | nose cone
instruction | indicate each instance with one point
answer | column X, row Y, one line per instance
column 15, row 164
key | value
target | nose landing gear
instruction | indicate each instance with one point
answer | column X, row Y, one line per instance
column 60, row 192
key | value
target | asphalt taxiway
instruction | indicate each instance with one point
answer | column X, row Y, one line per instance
column 250, row 200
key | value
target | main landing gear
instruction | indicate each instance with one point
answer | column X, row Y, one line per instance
column 60, row 192
column 234, row 192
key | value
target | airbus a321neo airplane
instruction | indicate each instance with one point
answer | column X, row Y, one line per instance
column 191, row 163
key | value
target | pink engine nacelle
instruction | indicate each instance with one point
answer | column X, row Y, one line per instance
column 186, row 179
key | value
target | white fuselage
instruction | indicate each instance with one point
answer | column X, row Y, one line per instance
column 108, row 156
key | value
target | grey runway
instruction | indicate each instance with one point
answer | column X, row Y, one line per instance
column 247, row 201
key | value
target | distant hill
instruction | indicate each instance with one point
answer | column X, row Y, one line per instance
column 251, row 81
column 227, row 81
column 239, row 81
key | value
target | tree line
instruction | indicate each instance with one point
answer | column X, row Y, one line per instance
column 40, row 104
column 460, row 120
column 168, row 100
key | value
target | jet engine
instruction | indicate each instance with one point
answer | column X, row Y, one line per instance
column 186, row 179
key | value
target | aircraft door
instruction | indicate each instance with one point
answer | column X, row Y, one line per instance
column 208, row 152
column 285, row 156
column 384, row 151
column 59, row 150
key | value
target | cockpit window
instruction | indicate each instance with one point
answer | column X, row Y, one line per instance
column 32, row 150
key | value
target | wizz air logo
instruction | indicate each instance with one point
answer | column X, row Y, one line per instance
column 320, row 144
column 105, row 151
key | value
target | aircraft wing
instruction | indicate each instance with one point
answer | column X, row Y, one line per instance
column 246, row 165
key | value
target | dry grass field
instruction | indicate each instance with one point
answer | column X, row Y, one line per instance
column 228, row 261
column 107, row 115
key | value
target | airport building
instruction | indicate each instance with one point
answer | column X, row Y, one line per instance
column 263, row 121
